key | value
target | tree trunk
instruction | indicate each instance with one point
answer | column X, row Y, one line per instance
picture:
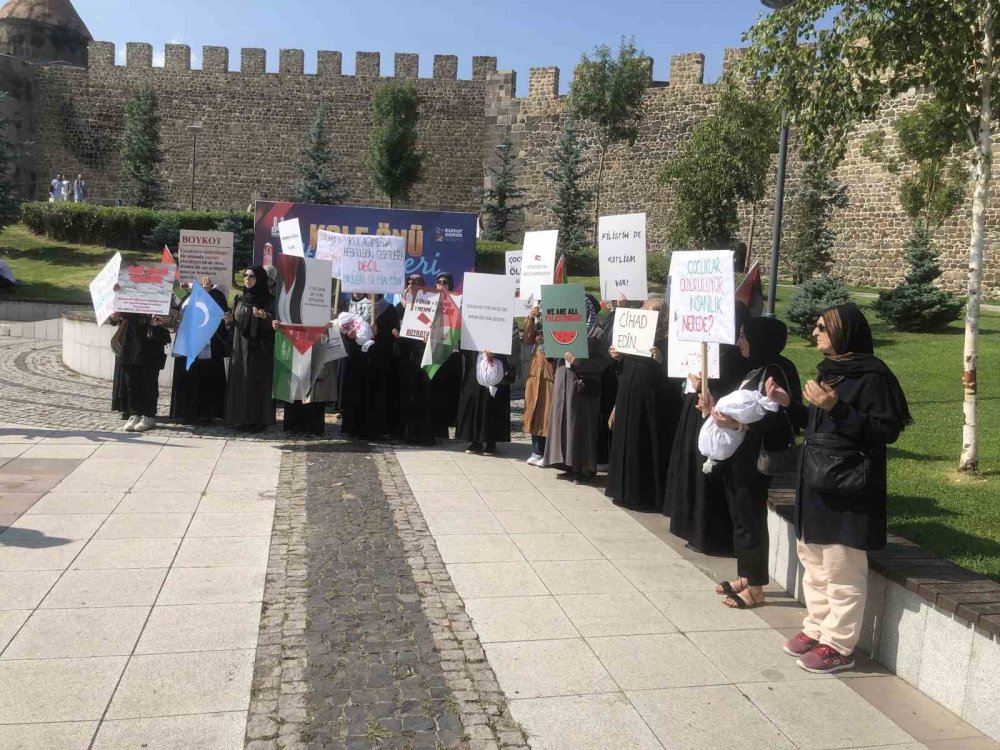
column 983, row 172
column 597, row 195
column 753, row 226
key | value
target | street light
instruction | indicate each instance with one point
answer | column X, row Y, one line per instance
column 194, row 128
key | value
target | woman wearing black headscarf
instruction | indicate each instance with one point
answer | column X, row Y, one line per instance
column 248, row 396
column 414, row 385
column 857, row 408
column 370, row 403
column 199, row 394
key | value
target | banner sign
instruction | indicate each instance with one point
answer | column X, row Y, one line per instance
column 702, row 296
column 622, row 246
column 488, row 313
column 514, row 267
column 538, row 262
column 304, row 290
column 684, row 357
column 330, row 246
column 635, row 331
column 419, row 314
column 435, row 241
column 373, row 264
column 564, row 320
column 290, row 234
column 206, row 254
column 145, row 289
column 102, row 289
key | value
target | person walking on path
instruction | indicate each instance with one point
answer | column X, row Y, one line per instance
column 79, row 189
column 857, row 408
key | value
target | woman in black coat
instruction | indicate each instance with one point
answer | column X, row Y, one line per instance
column 415, row 425
column 484, row 416
column 199, row 394
column 857, row 408
column 251, row 368
column 370, row 391
column 140, row 341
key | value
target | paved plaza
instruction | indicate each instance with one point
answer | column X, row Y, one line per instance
column 190, row 588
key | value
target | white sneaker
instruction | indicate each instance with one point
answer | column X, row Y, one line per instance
column 145, row 425
column 132, row 422
column 533, row 459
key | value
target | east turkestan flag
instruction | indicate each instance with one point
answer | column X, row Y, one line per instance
column 199, row 323
column 445, row 335
column 299, row 355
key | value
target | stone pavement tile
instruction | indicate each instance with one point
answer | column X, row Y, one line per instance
column 12, row 450
column 451, row 483
column 48, row 450
column 536, row 669
column 77, row 502
column 129, row 450
column 583, row 722
column 508, row 501
column 74, row 735
column 425, row 468
column 693, row 611
column 664, row 575
column 573, row 546
column 159, row 502
column 213, row 585
column 4, row 461
column 967, row 743
column 781, row 611
column 534, row 522
column 200, row 627
column 21, row 483
column 485, row 468
column 846, row 719
column 144, row 526
column 232, row 552
column 16, row 503
column 636, row 546
column 751, row 656
column 127, row 553
column 597, row 615
column 110, row 631
column 700, row 718
column 472, row 548
column 602, row 522
column 230, row 524
column 74, row 437
column 10, row 436
column 51, row 468
column 450, row 502
column 10, row 621
column 35, row 557
column 25, row 590
column 524, row 618
column 8, row 520
column 481, row 580
column 180, row 483
column 44, row 690
column 652, row 662
column 222, row 731
column 235, row 502
column 486, row 483
column 105, row 588
column 176, row 684
column 581, row 577
column 456, row 522
column 919, row 716
column 56, row 526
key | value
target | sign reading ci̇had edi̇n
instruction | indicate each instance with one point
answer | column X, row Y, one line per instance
column 622, row 241
column 702, row 296
column 635, row 331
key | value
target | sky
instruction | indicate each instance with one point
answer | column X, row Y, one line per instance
column 520, row 33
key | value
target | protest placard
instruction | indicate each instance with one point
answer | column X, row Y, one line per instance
column 419, row 314
column 538, row 262
column 564, row 320
column 304, row 288
column 102, row 289
column 145, row 288
column 330, row 246
column 373, row 264
column 622, row 246
column 702, row 296
column 635, row 331
column 206, row 254
column 291, row 238
column 684, row 357
column 513, row 258
column 487, row 313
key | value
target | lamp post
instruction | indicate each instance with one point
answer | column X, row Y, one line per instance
column 779, row 190
column 194, row 128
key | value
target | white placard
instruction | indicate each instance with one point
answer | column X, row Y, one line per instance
column 145, row 288
column 523, row 306
column 487, row 313
column 102, row 289
column 702, row 296
column 206, row 254
column 538, row 262
column 513, row 267
column 373, row 264
column 622, row 245
column 330, row 246
column 334, row 348
column 304, row 291
column 684, row 357
column 635, row 331
column 419, row 315
column 291, row 238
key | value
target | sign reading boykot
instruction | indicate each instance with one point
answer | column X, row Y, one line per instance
column 206, row 254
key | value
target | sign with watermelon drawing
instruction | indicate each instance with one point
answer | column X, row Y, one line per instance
column 419, row 314
column 564, row 320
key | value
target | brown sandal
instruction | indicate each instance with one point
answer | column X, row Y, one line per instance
column 726, row 587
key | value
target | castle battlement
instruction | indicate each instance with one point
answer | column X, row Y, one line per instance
column 291, row 62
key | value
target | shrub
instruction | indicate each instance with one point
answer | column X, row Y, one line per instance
column 812, row 298
column 241, row 225
column 490, row 256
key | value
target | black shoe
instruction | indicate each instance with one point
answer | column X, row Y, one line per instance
column 474, row 448
column 491, row 449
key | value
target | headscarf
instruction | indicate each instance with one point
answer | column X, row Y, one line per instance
column 593, row 306
column 448, row 279
column 854, row 355
column 663, row 319
column 767, row 338
column 260, row 294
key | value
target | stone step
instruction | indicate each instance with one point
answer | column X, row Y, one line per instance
column 46, row 330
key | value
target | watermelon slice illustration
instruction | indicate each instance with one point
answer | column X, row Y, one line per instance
column 564, row 337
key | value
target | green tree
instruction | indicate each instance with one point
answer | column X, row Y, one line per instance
column 725, row 161
column 607, row 91
column 568, row 170
column 142, row 181
column 315, row 185
column 832, row 62
column 8, row 203
column 394, row 161
column 809, row 245
column 503, row 198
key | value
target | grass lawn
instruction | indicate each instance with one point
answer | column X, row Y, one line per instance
column 956, row 516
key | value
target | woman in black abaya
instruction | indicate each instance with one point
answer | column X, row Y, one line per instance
column 415, row 425
column 370, row 394
column 251, row 368
column 199, row 394
column 484, row 413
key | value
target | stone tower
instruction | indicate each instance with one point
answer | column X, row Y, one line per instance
column 43, row 31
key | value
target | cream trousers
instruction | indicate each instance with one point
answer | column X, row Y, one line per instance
column 835, row 585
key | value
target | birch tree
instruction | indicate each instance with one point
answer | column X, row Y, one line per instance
column 831, row 63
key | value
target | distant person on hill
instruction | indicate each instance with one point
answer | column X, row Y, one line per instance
column 55, row 188
column 65, row 190
column 79, row 189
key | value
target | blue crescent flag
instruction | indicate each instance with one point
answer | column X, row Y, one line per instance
column 200, row 320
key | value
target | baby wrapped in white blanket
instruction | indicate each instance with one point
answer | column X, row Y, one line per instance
column 348, row 322
column 718, row 443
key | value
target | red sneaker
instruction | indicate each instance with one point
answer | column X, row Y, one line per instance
column 825, row 660
column 799, row 645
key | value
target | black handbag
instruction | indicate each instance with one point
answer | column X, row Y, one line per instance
column 118, row 339
column 835, row 465
column 781, row 462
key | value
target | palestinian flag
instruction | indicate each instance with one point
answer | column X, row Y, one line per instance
column 559, row 277
column 297, row 361
column 166, row 257
column 751, row 292
column 445, row 335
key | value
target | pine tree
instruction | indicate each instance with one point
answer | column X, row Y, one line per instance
column 568, row 170
column 503, row 199
column 8, row 204
column 141, row 155
column 315, row 185
column 810, row 239
column 394, row 161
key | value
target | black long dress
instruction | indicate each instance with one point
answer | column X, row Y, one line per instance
column 415, row 425
column 199, row 394
column 483, row 418
column 369, row 401
column 251, row 369
column 443, row 393
column 646, row 412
